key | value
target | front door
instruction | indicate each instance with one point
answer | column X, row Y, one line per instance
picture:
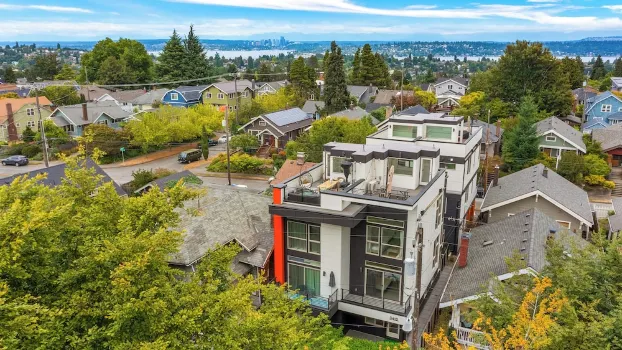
column 268, row 139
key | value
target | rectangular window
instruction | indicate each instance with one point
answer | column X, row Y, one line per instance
column 448, row 166
column 209, row 95
column 385, row 222
column 31, row 123
column 374, row 321
column 426, row 170
column 436, row 251
column 564, row 224
column 262, row 123
column 174, row 96
column 231, row 95
column 450, row 87
column 468, row 165
column 30, row 111
column 303, row 237
column 605, row 108
column 384, row 241
column 245, row 93
column 405, row 131
column 383, row 284
column 551, row 138
column 314, row 239
column 438, row 132
column 304, row 279
column 373, row 240
column 336, row 164
column 401, row 166
column 220, row 96
column 439, row 211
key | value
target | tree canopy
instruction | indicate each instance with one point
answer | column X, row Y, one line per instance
column 9, row 75
column 521, row 143
column 120, row 62
column 336, row 93
column 61, row 95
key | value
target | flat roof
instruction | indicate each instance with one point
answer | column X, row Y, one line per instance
column 433, row 118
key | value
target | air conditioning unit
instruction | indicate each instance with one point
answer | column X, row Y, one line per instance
column 372, row 186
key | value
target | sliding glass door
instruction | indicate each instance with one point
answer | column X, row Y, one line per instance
column 304, row 279
column 382, row 284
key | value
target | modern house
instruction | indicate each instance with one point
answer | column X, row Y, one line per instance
column 556, row 137
column 270, row 87
column 224, row 94
column 483, row 255
column 492, row 135
column 55, row 175
column 355, row 113
column 616, row 84
column 602, row 106
column 73, row 119
column 459, row 145
column 362, row 94
column 276, row 129
column 448, row 91
column 313, row 108
column 221, row 216
column 610, row 139
column 348, row 231
column 184, row 96
column 18, row 113
column 541, row 188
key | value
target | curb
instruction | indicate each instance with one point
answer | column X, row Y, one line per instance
column 235, row 176
column 150, row 157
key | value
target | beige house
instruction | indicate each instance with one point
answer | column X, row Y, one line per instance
column 18, row 113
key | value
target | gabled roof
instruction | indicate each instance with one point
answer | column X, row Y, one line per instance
column 615, row 116
column 289, row 119
column 56, row 175
column 567, row 132
column 615, row 221
column 460, row 80
column 228, row 87
column 312, row 106
column 356, row 113
column 73, row 113
column 592, row 123
column 609, row 137
column 190, row 93
column 571, row 118
column 617, row 81
column 583, row 94
column 225, row 215
column 414, row 110
column 126, row 95
column 599, row 98
column 531, row 181
column 163, row 182
column 93, row 92
column 357, row 90
column 385, row 96
column 17, row 103
column 290, row 169
column 526, row 233
column 275, row 85
column 492, row 137
column 149, row 97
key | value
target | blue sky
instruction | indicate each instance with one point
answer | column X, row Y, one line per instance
column 502, row 20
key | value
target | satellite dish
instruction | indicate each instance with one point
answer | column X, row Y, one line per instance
column 390, row 179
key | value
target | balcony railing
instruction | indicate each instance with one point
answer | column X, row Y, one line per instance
column 315, row 301
column 397, row 307
column 471, row 337
column 304, row 196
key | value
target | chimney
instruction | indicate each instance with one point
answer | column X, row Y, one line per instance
column 12, row 129
column 464, row 249
column 389, row 112
column 495, row 179
column 498, row 131
column 370, row 89
column 545, row 172
column 253, row 87
column 300, row 158
column 85, row 114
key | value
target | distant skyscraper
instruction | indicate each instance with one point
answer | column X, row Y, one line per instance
column 282, row 42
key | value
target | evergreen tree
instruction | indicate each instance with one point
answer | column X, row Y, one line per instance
column 169, row 66
column 263, row 72
column 205, row 136
column 356, row 68
column 250, row 63
column 66, row 73
column 382, row 76
column 9, row 75
column 195, row 64
column 325, row 60
column 369, row 66
column 521, row 144
column 217, row 60
column 617, row 68
column 46, row 67
column 302, row 77
column 336, row 94
column 313, row 62
column 429, row 77
column 598, row 70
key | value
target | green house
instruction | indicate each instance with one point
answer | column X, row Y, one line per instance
column 23, row 112
column 556, row 137
column 224, row 94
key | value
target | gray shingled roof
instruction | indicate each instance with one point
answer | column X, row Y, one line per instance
column 357, row 90
column 459, row 80
column 162, row 182
column 532, row 179
column 94, row 110
column 148, row 97
column 356, row 113
column 312, row 106
column 609, row 137
column 127, row 95
column 229, row 86
column 572, row 118
column 594, row 100
column 289, row 119
column 525, row 233
column 595, row 121
column 56, row 175
column 615, row 221
column 615, row 116
column 223, row 215
column 414, row 110
column 191, row 93
column 567, row 131
column 492, row 137
column 617, row 81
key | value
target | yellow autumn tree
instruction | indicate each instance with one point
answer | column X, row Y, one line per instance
column 530, row 327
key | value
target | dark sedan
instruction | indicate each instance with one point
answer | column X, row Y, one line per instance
column 15, row 160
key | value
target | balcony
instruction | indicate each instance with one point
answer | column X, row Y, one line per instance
column 471, row 338
column 392, row 306
column 323, row 304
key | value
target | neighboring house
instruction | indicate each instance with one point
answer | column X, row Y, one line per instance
column 355, row 113
column 292, row 168
column 595, row 123
column 427, row 87
column 581, row 95
column 22, row 92
column 616, row 84
column 276, row 129
column 225, row 215
column 388, row 98
column 556, row 137
column 615, row 220
column 448, row 91
column 572, row 120
column 491, row 138
column 165, row 182
column 541, row 188
column 184, row 96
column 459, row 145
column 270, row 87
column 346, row 231
column 312, row 108
column 483, row 257
column 73, row 119
column 601, row 106
column 92, row 93
column 122, row 98
column 56, row 175
column 18, row 113
column 414, row 110
column 224, row 94
column 362, row 94
column 146, row 101
column 610, row 140
column 46, row 83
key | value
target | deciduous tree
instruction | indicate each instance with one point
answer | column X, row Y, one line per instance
column 61, row 95
column 66, row 73
column 9, row 75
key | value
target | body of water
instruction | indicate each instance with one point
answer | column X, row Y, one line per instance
column 477, row 58
column 244, row 53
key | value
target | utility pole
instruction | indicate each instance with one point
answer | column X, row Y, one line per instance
column 237, row 97
column 42, row 129
column 227, row 142
column 417, row 305
column 402, row 91
column 486, row 155
column 88, row 88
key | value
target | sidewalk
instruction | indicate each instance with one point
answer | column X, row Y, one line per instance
column 151, row 156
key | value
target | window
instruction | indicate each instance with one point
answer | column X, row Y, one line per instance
column 438, row 132
column 405, row 131
column 30, row 123
column 303, row 237
column 220, row 96
column 262, row 123
column 384, row 241
column 383, row 284
column 564, row 224
column 436, row 257
column 174, row 96
column 450, row 87
column 439, row 211
column 245, row 93
column 401, row 166
column 468, row 165
column 235, row 107
column 230, row 108
column 385, row 221
column 209, row 95
column 17, row 125
column 30, row 111
column 374, row 321
column 231, row 95
column 448, row 166
column 304, row 279
column 336, row 164
column 605, row 108
column 551, row 138
column 426, row 170
column 620, row 109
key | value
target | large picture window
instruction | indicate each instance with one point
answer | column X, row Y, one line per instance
column 336, row 164
column 426, row 171
column 304, row 279
column 401, row 166
column 384, row 241
column 303, row 237
column 438, row 132
column 405, row 131
column 382, row 284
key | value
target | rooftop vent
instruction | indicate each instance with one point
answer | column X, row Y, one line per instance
column 487, row 243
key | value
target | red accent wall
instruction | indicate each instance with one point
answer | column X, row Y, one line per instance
column 617, row 151
column 279, row 240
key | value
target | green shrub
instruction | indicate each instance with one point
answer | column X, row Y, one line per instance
column 15, row 149
column 31, row 150
column 241, row 163
column 596, row 165
column 609, row 185
column 594, row 180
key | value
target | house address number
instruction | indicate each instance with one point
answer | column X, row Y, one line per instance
column 393, row 318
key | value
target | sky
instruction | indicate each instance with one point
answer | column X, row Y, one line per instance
column 311, row 20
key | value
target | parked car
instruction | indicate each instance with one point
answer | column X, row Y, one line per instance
column 190, row 155
column 223, row 139
column 15, row 160
column 210, row 143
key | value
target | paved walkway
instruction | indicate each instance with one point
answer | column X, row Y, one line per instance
column 432, row 302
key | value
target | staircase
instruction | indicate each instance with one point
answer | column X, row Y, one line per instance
column 263, row 151
column 616, row 177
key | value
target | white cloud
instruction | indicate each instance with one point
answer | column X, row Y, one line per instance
column 615, row 8
column 544, row 1
column 45, row 8
column 421, row 7
column 115, row 13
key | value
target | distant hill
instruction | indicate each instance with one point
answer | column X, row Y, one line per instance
column 603, row 38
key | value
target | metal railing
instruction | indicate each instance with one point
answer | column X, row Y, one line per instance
column 316, row 301
column 399, row 307
column 471, row 337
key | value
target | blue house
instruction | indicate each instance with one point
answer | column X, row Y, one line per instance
column 75, row 118
column 602, row 106
column 595, row 123
column 184, row 96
